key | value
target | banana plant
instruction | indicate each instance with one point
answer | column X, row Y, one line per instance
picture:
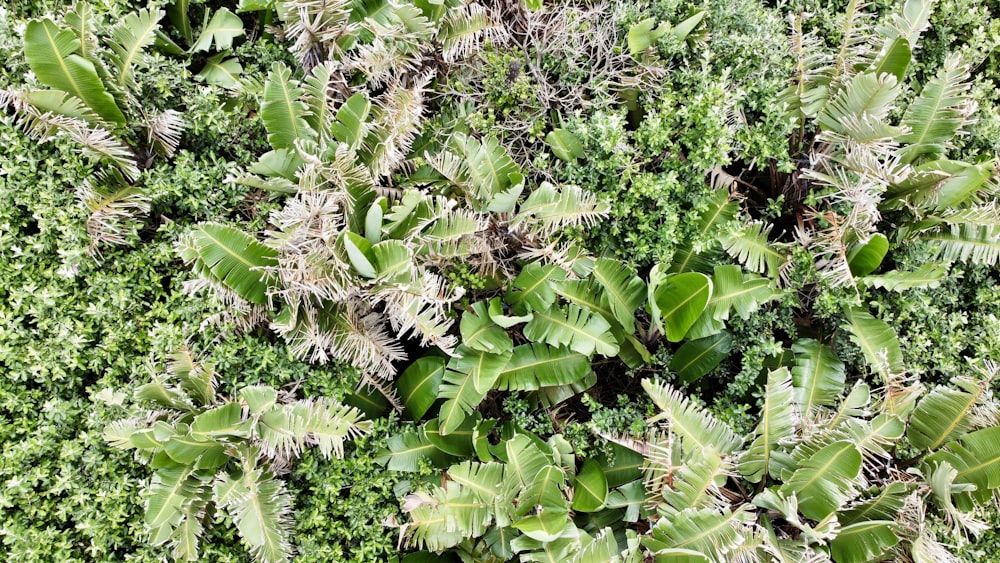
column 89, row 93
column 209, row 451
column 517, row 501
column 865, row 166
column 813, row 480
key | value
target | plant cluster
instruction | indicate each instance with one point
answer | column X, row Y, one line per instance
column 580, row 281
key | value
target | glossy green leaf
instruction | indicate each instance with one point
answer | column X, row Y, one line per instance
column 698, row 357
column 590, row 488
column 419, row 384
column 680, row 299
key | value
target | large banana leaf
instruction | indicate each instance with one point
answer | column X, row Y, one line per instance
column 479, row 332
column 818, row 375
column 233, row 258
column 349, row 126
column 533, row 366
column 128, row 40
column 419, row 384
column 825, row 480
column 679, row 300
column 777, row 421
column 864, row 541
column 282, row 111
column 750, row 246
column 979, row 244
column 695, row 485
column 877, row 341
column 698, row 357
column 223, row 28
column 624, row 291
column 590, row 488
column 937, row 114
column 943, row 415
column 697, row 428
column 866, row 97
column 732, row 290
column 532, row 288
column 720, row 210
column 470, row 375
column 51, row 54
column 261, row 509
column 409, row 450
column 976, row 458
column 577, row 329
column 709, row 532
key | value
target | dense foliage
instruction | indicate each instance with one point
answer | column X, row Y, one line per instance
column 412, row 280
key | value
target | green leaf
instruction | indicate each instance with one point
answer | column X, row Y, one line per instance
column 720, row 210
column 81, row 20
column 680, row 299
column 878, row 342
column 944, row 414
column 732, row 289
column 750, row 246
column 934, row 118
column 258, row 398
column 624, row 291
column 894, row 59
column 698, row 357
column 470, row 375
column 187, row 449
column 535, row 288
column 777, row 422
column 282, row 111
column 506, row 321
column 170, row 488
column 641, row 36
column 233, row 258
column 865, row 96
column 545, row 491
column 577, row 329
column 682, row 30
column 406, row 451
column 706, row 531
column 546, row 526
column 864, row 541
column 864, row 259
column 220, row 421
column 928, row 275
column 350, row 124
column 261, row 516
column 128, row 40
column 564, row 145
column 51, row 55
column 373, row 221
column 419, row 384
column 458, row 442
column 976, row 458
column 223, row 72
column 825, row 480
column 697, row 428
column 886, row 504
column 359, row 252
column 978, row 244
column 533, row 366
column 479, row 332
column 818, row 375
column 223, row 28
column 623, row 467
column 590, row 489
column 282, row 163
